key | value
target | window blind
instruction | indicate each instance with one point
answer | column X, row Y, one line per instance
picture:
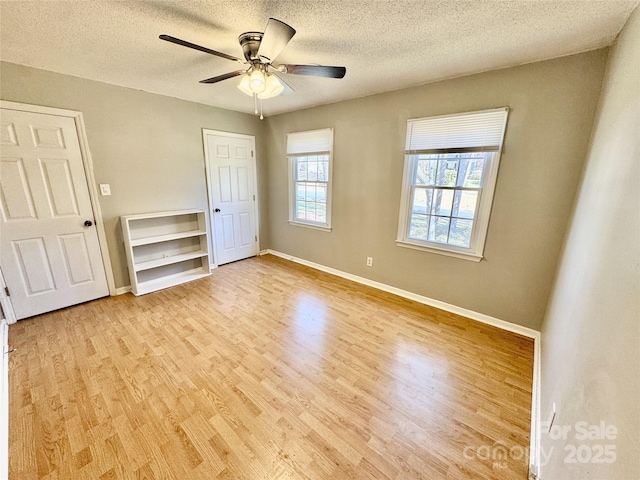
column 312, row 141
column 483, row 130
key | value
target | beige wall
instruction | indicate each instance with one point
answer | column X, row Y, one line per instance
column 552, row 103
column 146, row 146
column 591, row 333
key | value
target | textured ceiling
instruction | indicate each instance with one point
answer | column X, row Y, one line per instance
column 385, row 45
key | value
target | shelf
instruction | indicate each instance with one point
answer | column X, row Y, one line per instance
column 165, row 248
column 170, row 281
column 166, row 238
column 175, row 213
column 168, row 260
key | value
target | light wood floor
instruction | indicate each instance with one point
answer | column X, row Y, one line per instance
column 266, row 370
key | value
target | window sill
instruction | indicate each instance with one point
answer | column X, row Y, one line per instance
column 440, row 251
column 309, row 225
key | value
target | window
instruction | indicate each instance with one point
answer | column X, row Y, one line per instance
column 450, row 170
column 310, row 162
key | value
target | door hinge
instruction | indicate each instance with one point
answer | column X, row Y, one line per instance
column 251, row 153
column 256, row 237
column 6, row 291
column 254, row 198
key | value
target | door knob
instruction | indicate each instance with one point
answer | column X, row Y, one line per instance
column 88, row 223
column 217, row 210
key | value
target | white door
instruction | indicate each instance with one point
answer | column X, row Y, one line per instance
column 232, row 182
column 49, row 248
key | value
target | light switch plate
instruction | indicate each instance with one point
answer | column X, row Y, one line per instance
column 105, row 189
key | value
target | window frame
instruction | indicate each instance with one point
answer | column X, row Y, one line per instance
column 480, row 228
column 292, row 159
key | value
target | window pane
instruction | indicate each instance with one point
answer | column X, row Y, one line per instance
column 321, row 212
column 447, row 173
column 464, row 204
column 310, row 192
column 300, row 191
column 463, row 168
column 471, row 176
column 321, row 193
column 418, row 227
column 422, row 200
column 442, row 202
column 301, row 170
column 311, row 211
column 323, row 171
column 300, row 210
column 426, row 172
column 312, row 171
column 460, row 235
column 438, row 229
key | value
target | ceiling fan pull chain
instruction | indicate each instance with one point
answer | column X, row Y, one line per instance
column 255, row 103
column 261, row 116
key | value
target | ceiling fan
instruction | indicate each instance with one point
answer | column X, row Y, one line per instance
column 260, row 50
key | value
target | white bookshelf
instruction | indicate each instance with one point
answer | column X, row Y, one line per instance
column 165, row 249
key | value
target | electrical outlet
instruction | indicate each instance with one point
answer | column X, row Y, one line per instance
column 369, row 261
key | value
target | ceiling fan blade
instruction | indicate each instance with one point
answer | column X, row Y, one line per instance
column 219, row 78
column 287, row 88
column 184, row 43
column 275, row 38
column 315, row 70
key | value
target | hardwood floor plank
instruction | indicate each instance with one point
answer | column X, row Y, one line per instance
column 265, row 370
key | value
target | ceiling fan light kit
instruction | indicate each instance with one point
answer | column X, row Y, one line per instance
column 273, row 87
column 260, row 51
column 257, row 81
column 243, row 86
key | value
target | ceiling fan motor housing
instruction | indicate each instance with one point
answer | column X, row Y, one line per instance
column 250, row 43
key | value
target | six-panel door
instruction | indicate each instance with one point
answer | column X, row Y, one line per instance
column 50, row 258
column 233, row 197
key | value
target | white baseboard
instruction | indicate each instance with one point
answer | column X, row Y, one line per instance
column 480, row 317
column 4, row 400
column 123, row 290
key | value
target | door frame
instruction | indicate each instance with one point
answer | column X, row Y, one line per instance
column 5, row 303
column 205, row 133
column 87, row 163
